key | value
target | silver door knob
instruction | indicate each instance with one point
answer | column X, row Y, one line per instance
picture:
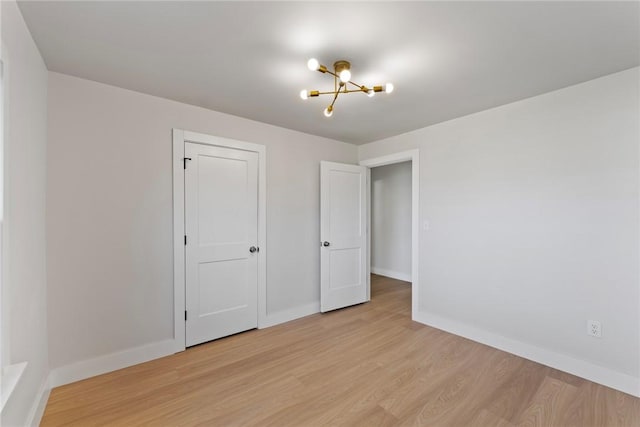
column 253, row 249
column 325, row 244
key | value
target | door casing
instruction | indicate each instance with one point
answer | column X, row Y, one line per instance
column 180, row 137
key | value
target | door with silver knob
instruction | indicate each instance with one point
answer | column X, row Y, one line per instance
column 343, row 232
column 221, row 218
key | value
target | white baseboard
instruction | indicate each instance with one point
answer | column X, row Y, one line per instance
column 123, row 359
column 290, row 314
column 110, row 362
column 40, row 403
column 592, row 372
column 390, row 273
column 9, row 379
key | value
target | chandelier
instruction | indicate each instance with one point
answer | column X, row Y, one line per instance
column 341, row 80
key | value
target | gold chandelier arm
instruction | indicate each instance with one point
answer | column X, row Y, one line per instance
column 335, row 98
column 326, row 70
column 361, row 88
column 333, row 92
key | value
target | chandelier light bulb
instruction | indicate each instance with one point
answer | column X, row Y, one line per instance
column 304, row 94
column 388, row 87
column 345, row 76
column 371, row 93
column 313, row 64
column 328, row 112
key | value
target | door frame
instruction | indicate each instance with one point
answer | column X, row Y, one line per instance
column 180, row 137
column 414, row 157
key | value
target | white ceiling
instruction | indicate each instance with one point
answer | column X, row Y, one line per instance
column 446, row 59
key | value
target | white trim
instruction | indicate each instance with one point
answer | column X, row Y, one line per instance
column 283, row 316
column 180, row 137
column 414, row 157
column 179, row 333
column 592, row 372
column 390, row 273
column 37, row 410
column 368, row 255
column 9, row 378
column 5, row 268
column 111, row 362
column 389, row 159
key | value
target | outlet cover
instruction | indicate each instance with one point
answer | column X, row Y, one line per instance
column 594, row 328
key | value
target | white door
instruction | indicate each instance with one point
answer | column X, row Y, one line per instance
column 343, row 231
column 221, row 222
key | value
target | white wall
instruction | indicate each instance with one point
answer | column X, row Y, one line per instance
column 109, row 214
column 391, row 220
column 24, row 288
column 534, row 226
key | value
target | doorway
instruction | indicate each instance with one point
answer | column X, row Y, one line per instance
column 391, row 221
column 412, row 158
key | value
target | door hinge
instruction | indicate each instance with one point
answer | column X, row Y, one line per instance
column 184, row 160
column 185, row 240
column 185, row 315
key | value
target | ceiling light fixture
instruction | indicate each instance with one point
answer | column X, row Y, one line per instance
column 341, row 81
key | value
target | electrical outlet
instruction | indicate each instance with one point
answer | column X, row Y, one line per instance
column 594, row 328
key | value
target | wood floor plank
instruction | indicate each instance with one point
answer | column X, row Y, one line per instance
column 602, row 406
column 367, row 365
column 549, row 405
column 485, row 418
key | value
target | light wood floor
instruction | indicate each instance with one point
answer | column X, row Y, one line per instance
column 367, row 365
